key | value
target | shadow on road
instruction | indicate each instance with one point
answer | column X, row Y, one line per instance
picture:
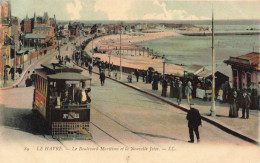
column 157, row 136
column 23, row 120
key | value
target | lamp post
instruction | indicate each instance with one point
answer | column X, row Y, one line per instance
column 213, row 109
column 29, row 51
column 184, row 76
column 23, row 60
column 92, row 52
column 120, row 55
column 164, row 61
column 4, row 68
column 109, row 55
column 37, row 48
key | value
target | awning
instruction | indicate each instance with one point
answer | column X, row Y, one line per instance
column 195, row 69
column 204, row 74
column 35, row 36
column 21, row 52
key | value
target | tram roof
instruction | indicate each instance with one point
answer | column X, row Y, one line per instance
column 68, row 76
column 56, row 68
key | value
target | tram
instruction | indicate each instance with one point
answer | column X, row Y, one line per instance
column 62, row 98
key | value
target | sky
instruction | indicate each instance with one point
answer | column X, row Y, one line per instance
column 137, row 9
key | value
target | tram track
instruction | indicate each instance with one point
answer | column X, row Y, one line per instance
column 124, row 126
column 107, row 134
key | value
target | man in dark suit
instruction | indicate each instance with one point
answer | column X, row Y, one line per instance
column 246, row 102
column 194, row 121
column 102, row 78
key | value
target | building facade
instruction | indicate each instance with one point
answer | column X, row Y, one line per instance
column 5, row 29
column 246, row 75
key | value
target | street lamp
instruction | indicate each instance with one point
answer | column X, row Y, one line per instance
column 184, row 76
column 164, row 61
column 92, row 52
column 29, row 51
column 109, row 71
column 120, row 54
column 4, row 68
column 213, row 108
column 23, row 60
column 37, row 48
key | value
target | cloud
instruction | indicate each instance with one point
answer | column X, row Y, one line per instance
column 157, row 10
column 170, row 14
column 75, row 8
column 115, row 9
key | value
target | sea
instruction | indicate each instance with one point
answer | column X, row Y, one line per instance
column 189, row 50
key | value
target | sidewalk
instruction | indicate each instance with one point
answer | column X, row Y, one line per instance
column 27, row 66
column 246, row 129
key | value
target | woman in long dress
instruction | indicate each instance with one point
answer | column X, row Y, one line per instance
column 233, row 111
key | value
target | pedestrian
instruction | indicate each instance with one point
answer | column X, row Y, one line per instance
column 155, row 81
column 102, row 78
column 246, row 102
column 129, row 78
column 150, row 76
column 33, row 76
column 137, row 75
column 28, row 82
column 146, row 77
column 194, row 121
column 233, row 111
column 188, row 92
column 19, row 70
column 115, row 74
column 143, row 75
column 164, row 88
column 11, row 71
column 171, row 88
column 179, row 92
column 90, row 69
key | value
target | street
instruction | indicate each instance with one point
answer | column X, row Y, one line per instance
column 121, row 118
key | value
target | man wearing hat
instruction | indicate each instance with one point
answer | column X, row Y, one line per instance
column 194, row 121
column 179, row 92
column 246, row 101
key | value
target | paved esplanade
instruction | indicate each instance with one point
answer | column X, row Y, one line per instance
column 120, row 118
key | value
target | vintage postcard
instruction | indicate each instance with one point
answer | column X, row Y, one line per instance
column 129, row 81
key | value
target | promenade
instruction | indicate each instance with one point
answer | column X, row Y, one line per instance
column 249, row 128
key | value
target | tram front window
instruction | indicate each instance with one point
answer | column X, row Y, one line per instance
column 74, row 93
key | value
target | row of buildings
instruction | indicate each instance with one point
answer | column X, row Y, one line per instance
column 17, row 34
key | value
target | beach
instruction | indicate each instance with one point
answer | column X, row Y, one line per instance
column 133, row 55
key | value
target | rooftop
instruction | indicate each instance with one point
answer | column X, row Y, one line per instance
column 68, row 76
column 35, row 36
column 249, row 61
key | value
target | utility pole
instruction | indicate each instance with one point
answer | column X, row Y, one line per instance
column 120, row 55
column 92, row 53
column 14, row 59
column 29, row 52
column 213, row 108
